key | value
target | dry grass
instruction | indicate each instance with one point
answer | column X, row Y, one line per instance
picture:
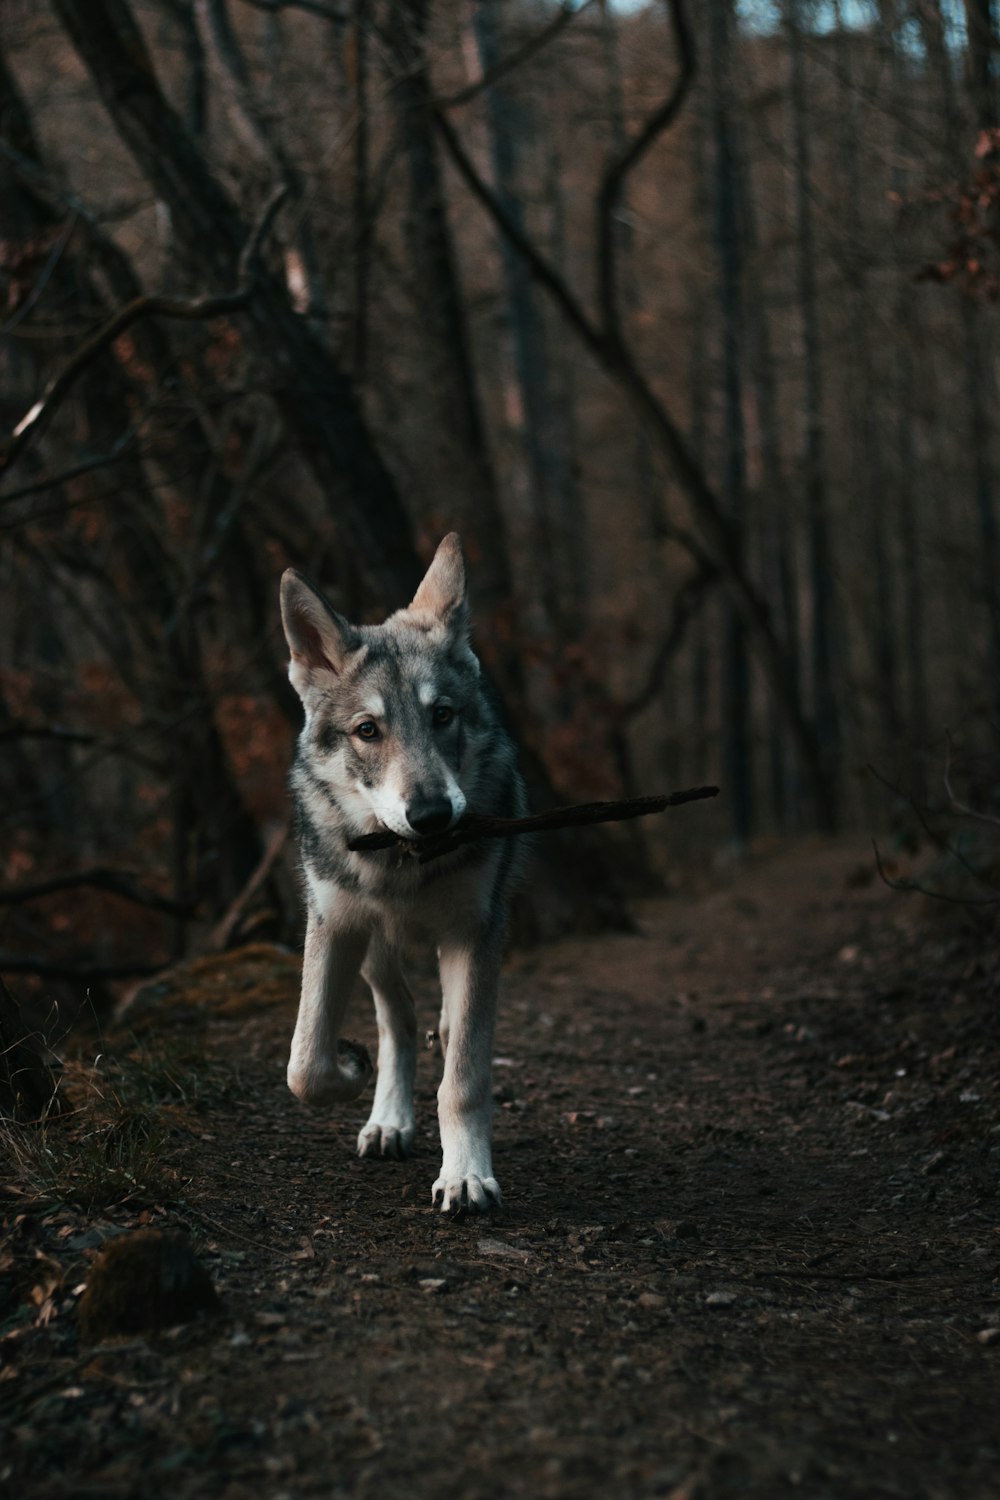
column 104, row 1142
column 98, row 1149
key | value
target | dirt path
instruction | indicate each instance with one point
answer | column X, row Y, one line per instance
column 751, row 1244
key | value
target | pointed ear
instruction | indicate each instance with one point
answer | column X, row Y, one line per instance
column 442, row 593
column 318, row 638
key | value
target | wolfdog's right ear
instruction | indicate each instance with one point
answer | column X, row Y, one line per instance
column 442, row 593
column 319, row 639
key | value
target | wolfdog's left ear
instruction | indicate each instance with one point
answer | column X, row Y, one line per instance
column 442, row 592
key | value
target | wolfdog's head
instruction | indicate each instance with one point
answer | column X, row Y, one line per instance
column 391, row 710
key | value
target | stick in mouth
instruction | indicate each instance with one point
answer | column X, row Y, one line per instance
column 474, row 826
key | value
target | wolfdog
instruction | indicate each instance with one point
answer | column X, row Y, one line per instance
column 401, row 733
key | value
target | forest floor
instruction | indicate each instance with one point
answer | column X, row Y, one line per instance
column 750, row 1247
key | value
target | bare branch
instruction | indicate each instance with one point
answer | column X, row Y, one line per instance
column 259, row 129
column 146, row 306
column 936, row 838
column 543, row 271
column 85, row 466
column 690, row 597
column 45, row 275
column 124, row 745
column 113, row 262
column 614, row 177
column 610, row 350
column 962, row 807
column 312, row 7
column 45, row 732
column 567, row 12
column 611, row 186
column 912, row 887
column 196, row 309
column 227, row 924
column 16, row 963
column 117, row 882
column 608, row 346
column 196, row 100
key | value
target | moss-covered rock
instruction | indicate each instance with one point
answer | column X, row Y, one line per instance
column 246, row 981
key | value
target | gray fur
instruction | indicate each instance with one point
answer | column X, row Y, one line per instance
column 397, row 718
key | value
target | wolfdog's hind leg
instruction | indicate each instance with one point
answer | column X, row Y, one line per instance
column 390, row 1128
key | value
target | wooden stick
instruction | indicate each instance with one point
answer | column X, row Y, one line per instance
column 472, row 826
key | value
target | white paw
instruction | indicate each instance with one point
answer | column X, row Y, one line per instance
column 378, row 1139
column 471, row 1194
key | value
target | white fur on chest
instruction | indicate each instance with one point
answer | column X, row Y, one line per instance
column 398, row 903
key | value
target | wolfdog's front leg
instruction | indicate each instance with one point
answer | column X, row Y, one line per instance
column 470, row 973
column 321, row 1069
column 390, row 1128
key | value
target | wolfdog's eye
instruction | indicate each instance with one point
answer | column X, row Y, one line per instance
column 442, row 714
column 366, row 730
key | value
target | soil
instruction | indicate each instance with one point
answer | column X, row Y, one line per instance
column 750, row 1247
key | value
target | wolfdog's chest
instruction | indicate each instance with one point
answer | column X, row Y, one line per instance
column 392, row 889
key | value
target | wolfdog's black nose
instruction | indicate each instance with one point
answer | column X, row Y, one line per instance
column 427, row 815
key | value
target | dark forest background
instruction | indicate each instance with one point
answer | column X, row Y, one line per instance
column 685, row 317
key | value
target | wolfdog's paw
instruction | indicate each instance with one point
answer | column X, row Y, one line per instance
column 320, row 1080
column 472, row 1195
column 377, row 1139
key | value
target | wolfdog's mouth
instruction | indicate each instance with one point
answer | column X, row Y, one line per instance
column 378, row 836
column 422, row 846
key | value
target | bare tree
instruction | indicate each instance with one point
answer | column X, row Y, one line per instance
column 605, row 340
column 821, row 635
column 729, row 190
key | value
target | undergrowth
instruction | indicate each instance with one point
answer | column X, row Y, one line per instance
column 102, row 1141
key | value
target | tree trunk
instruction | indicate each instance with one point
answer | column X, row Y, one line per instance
column 567, row 512
column 545, row 471
column 870, row 490
column 195, row 91
column 632, row 298
column 452, row 387
column 729, row 253
column 302, row 273
column 979, row 379
column 607, row 344
column 777, row 540
column 980, row 384
column 982, row 48
column 315, row 396
column 826, row 712
column 364, row 223
column 908, row 482
column 313, row 393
